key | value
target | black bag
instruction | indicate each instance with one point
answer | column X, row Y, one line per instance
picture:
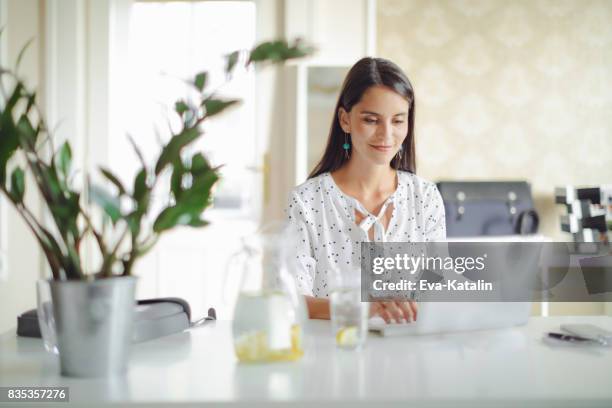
column 153, row 318
column 488, row 208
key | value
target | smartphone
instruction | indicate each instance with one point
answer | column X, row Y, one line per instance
column 589, row 331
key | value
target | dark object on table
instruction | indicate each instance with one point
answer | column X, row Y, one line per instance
column 485, row 208
column 153, row 318
column 588, row 214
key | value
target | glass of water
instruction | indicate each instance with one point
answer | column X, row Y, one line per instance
column 349, row 315
column 46, row 320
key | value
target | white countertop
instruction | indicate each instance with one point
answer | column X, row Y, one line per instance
column 488, row 368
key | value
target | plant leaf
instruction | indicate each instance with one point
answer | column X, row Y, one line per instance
column 232, row 59
column 190, row 206
column 178, row 171
column 141, row 195
column 172, row 150
column 216, row 106
column 31, row 101
column 9, row 137
column 8, row 146
column 198, row 196
column 64, row 159
column 263, row 52
column 279, row 51
column 138, row 152
column 109, row 204
column 17, row 185
column 199, row 164
column 181, row 107
column 171, row 217
column 26, row 130
column 75, row 209
column 178, row 215
column 196, row 222
column 22, row 53
column 140, row 185
column 200, row 80
column 48, row 177
column 12, row 101
column 113, row 179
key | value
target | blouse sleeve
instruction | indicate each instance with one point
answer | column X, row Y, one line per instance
column 434, row 217
column 305, row 266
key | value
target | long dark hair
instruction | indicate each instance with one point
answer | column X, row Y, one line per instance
column 368, row 72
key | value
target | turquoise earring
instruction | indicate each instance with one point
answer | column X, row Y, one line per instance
column 346, row 146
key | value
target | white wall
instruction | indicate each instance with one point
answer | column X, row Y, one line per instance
column 271, row 111
column 23, row 262
column 509, row 90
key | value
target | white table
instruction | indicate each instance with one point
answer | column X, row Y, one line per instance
column 510, row 367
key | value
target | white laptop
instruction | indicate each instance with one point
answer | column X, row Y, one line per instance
column 448, row 317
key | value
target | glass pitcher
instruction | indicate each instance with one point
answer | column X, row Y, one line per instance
column 269, row 314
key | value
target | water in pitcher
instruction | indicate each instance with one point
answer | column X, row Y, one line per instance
column 269, row 313
column 266, row 328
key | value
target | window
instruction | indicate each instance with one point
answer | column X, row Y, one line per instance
column 169, row 42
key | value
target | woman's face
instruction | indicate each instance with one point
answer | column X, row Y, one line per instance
column 378, row 124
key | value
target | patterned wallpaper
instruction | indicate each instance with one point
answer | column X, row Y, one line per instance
column 508, row 89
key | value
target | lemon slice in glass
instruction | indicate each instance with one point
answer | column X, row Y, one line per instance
column 347, row 336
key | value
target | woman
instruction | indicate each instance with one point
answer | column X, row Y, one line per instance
column 365, row 187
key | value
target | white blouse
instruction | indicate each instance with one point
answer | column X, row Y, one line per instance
column 329, row 237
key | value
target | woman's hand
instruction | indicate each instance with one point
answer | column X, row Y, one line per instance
column 395, row 311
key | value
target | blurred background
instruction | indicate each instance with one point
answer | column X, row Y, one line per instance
column 505, row 90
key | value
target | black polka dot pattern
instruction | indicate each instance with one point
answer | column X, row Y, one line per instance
column 329, row 237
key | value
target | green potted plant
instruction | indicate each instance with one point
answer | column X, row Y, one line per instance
column 94, row 309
